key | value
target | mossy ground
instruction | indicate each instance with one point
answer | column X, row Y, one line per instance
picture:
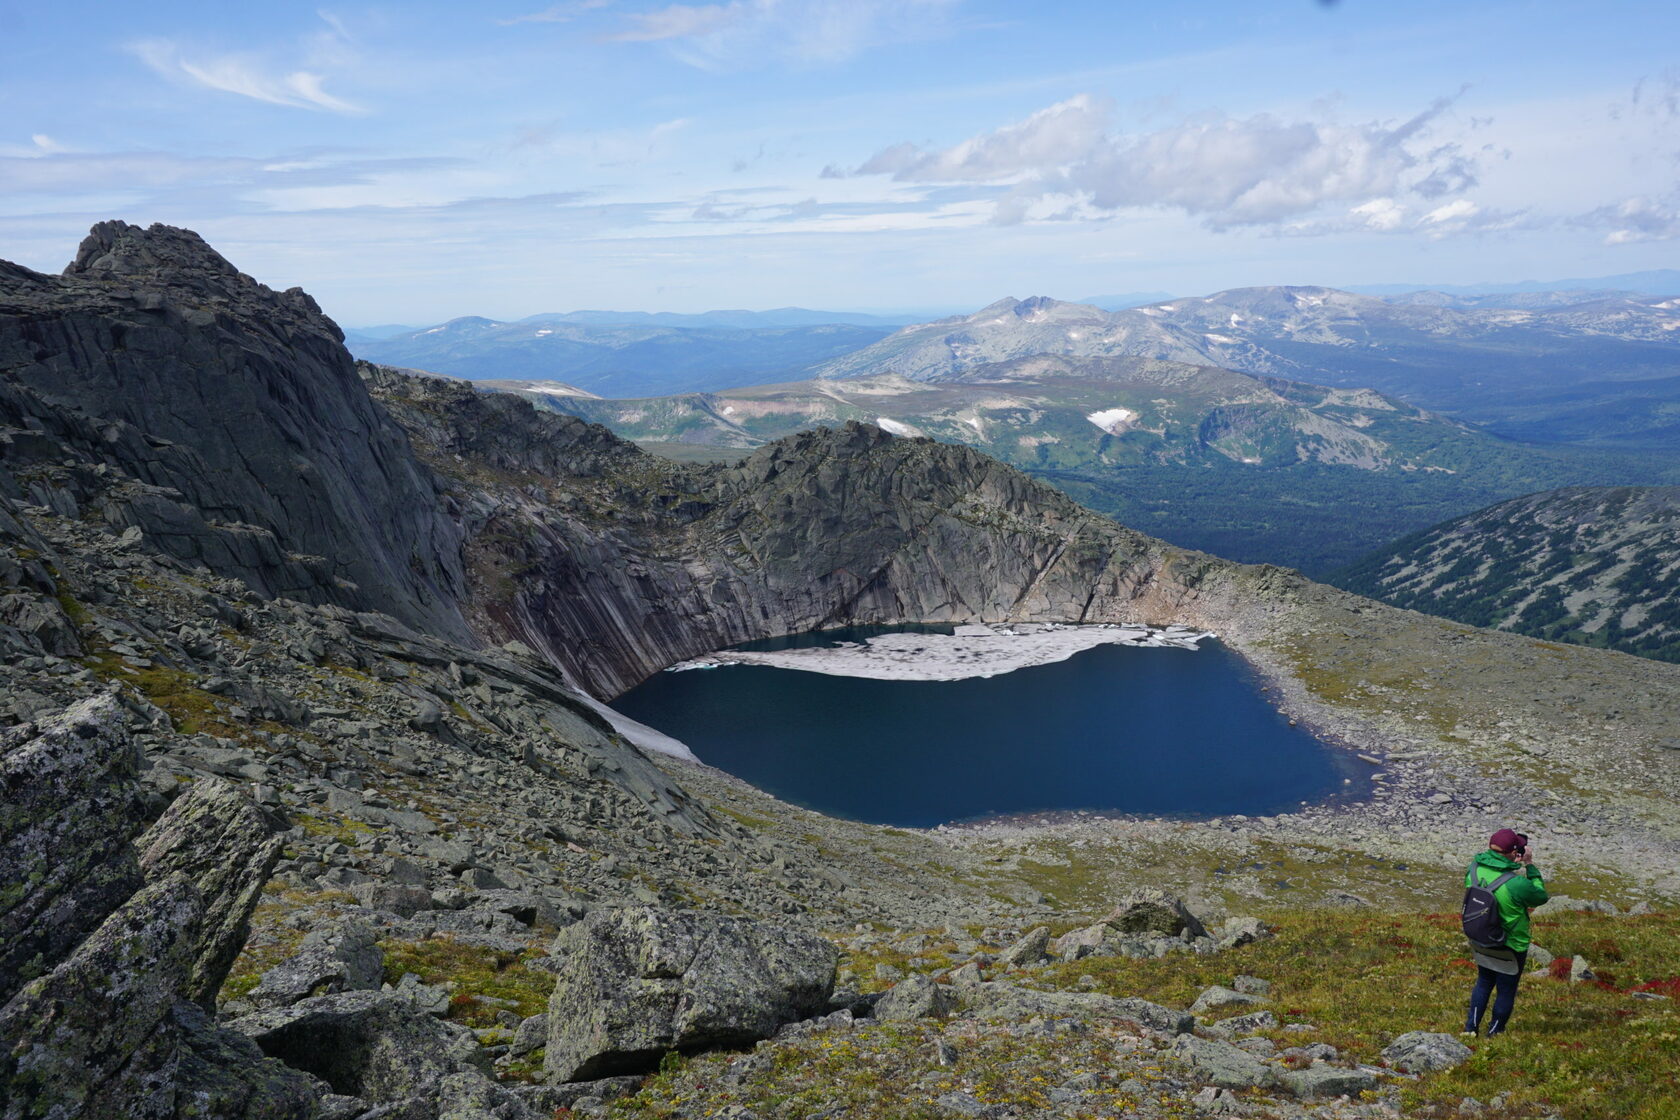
column 1584, row 1051
column 483, row 981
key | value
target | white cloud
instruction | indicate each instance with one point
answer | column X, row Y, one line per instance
column 1383, row 215
column 1066, row 133
column 1228, row 172
column 1639, row 219
column 1457, row 210
column 743, row 34
column 249, row 76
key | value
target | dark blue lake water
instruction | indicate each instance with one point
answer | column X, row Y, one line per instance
column 1112, row 729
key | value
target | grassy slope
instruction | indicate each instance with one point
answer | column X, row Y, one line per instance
column 1586, row 1051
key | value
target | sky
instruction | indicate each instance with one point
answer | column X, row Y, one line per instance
column 413, row 162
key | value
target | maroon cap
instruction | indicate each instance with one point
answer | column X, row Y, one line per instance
column 1504, row 839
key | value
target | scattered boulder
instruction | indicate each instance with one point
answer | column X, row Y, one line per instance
column 532, row 1034
column 1217, row 997
column 1580, row 971
column 1538, row 958
column 1000, row 1000
column 1029, row 950
column 1252, row 985
column 915, row 997
column 1223, row 1064
column 339, row 957
column 1239, row 1025
column 1213, row 1101
column 636, row 983
column 400, row 899
column 1327, row 1081
column 374, row 1046
column 1425, row 1052
column 1237, row 932
column 1151, row 910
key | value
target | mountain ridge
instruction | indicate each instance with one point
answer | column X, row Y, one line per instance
column 1592, row 565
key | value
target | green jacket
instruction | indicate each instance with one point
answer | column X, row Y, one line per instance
column 1514, row 898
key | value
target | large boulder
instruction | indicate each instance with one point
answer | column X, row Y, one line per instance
column 227, row 848
column 915, row 997
column 68, row 806
column 636, row 983
column 108, row 1032
column 1223, row 1064
column 1327, row 1081
column 1147, row 923
column 1151, row 910
column 376, row 1046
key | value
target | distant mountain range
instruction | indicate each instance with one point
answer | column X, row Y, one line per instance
column 625, row 359
column 1594, row 565
column 1261, row 468
column 1562, row 374
column 1657, row 282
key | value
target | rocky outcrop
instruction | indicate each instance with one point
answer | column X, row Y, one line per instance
column 375, row 1046
column 214, row 837
column 68, row 804
column 99, row 1012
column 636, row 984
column 235, row 411
column 337, row 957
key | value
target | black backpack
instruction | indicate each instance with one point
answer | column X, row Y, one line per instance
column 1482, row 925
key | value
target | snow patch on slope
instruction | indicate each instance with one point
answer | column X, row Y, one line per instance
column 1114, row 421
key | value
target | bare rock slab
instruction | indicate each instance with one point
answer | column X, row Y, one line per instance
column 637, row 983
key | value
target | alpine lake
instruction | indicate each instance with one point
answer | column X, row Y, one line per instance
column 1111, row 730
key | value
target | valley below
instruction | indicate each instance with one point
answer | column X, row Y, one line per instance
column 314, row 806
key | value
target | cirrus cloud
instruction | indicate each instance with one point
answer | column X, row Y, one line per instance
column 743, row 34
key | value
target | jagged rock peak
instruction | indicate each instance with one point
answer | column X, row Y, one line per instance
column 160, row 254
column 116, row 248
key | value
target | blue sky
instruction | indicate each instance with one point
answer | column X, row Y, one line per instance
column 412, row 162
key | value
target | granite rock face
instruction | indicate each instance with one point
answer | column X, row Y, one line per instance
column 637, row 983
column 237, row 413
column 658, row 562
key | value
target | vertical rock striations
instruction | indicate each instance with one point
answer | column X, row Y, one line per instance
column 237, row 412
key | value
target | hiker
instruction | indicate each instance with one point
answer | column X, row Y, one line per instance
column 1507, row 867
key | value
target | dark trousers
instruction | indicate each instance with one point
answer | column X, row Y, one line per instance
column 1502, row 986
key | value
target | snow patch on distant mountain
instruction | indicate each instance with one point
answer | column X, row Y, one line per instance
column 1114, row 421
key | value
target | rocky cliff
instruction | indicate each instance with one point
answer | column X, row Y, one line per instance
column 235, row 416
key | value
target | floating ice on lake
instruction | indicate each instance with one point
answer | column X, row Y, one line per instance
column 973, row 650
